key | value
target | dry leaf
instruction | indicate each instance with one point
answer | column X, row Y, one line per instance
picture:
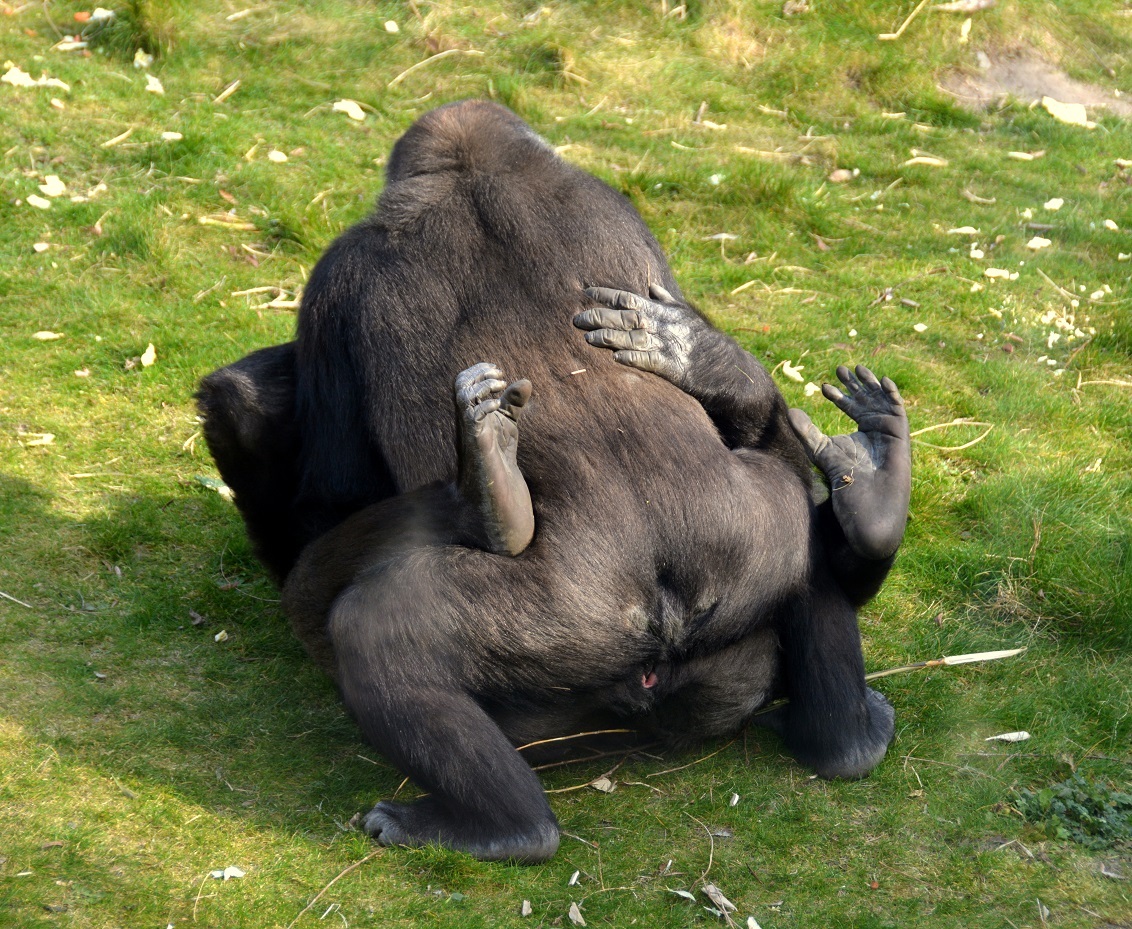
column 277, row 156
column 1072, row 113
column 46, row 335
column 110, row 143
column 920, row 327
column 40, row 247
column 1009, row 737
column 604, row 784
column 810, row 389
column 39, row 438
column 792, row 372
column 1108, row 224
column 149, row 356
column 391, row 27
column 171, row 137
column 153, row 85
column 52, row 186
column 1001, row 273
column 1037, row 243
column 930, row 161
column 142, row 59
column 1054, row 204
column 18, row 78
column 841, row 176
column 752, row 923
column 222, row 636
column 1025, row 156
column 683, row 893
column 351, row 108
column 38, row 202
column 229, row 872
column 714, row 894
column 964, row 6
column 525, row 909
column 576, row 915
column 573, row 878
column 963, row 230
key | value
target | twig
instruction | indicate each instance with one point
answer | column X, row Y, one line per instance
column 696, row 762
column 1108, row 383
column 420, row 64
column 577, row 735
column 711, row 839
column 356, row 864
column 200, row 890
column 1061, row 290
column 14, row 600
column 962, row 421
column 590, row 782
column 595, row 757
column 958, row 448
column 890, row 36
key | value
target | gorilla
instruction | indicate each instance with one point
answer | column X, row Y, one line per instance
column 515, row 486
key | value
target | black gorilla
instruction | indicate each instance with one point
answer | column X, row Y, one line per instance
column 627, row 533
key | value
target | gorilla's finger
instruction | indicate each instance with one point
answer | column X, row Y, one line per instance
column 618, row 299
column 601, row 318
column 848, row 378
column 479, row 390
column 635, row 339
column 844, row 403
column 867, row 377
column 488, row 406
column 645, row 361
column 892, row 390
column 812, row 437
column 515, row 397
column 477, row 372
column 659, row 293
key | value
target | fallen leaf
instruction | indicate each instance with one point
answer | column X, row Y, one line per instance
column 351, row 108
column 604, row 784
column 1072, row 113
column 277, row 156
column 576, row 915
column 18, row 78
column 41, row 247
column 734, row 801
column 930, row 161
column 841, row 176
column 683, row 893
column 714, row 894
column 153, row 85
column 920, row 327
column 171, row 137
column 573, row 878
column 142, row 58
column 525, row 909
column 792, row 372
column 963, row 230
column 1001, row 273
column 229, row 872
column 39, row 439
column 82, row 372
column 110, row 143
column 1037, row 243
column 392, row 28
column 1108, row 223
column 222, row 636
column 52, row 186
column 752, row 923
column 1025, row 156
column 149, row 356
column 1009, row 737
column 38, row 202
column 46, row 335
column 1054, row 204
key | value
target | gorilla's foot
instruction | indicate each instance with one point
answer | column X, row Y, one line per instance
column 870, row 471
column 489, row 478
column 425, row 822
column 850, row 749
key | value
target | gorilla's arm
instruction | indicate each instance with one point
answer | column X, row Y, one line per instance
column 868, row 472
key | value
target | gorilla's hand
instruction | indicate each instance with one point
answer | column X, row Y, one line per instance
column 658, row 335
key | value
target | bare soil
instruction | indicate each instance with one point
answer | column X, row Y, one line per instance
column 1028, row 79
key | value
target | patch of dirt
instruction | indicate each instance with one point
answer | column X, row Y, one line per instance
column 1028, row 79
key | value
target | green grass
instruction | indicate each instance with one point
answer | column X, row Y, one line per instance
column 137, row 754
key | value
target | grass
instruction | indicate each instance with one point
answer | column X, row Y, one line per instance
column 138, row 754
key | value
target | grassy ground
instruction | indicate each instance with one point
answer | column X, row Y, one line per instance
column 138, row 754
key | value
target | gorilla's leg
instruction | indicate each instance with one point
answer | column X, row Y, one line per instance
column 870, row 471
column 833, row 723
column 489, row 477
column 406, row 651
column 248, row 410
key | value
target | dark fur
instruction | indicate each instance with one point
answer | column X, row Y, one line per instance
column 674, row 535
